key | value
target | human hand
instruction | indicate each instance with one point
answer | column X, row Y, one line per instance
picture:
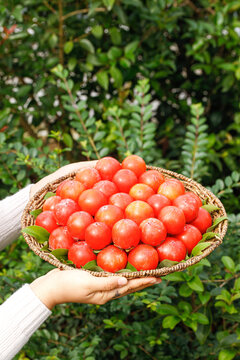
column 79, row 286
column 64, row 170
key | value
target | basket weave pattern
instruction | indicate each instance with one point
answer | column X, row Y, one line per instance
column 38, row 200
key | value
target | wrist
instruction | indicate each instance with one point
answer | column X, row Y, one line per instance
column 44, row 288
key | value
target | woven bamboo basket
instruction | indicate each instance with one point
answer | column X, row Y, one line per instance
column 37, row 202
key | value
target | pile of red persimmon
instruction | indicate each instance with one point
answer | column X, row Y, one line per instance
column 123, row 213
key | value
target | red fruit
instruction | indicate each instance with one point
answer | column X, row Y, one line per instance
column 195, row 196
column 80, row 254
column 171, row 188
column 107, row 167
column 112, row 259
column 71, row 189
column 91, row 200
column 124, row 180
column 64, row 209
column 46, row 220
column 125, row 234
column 122, row 200
column 141, row 192
column 143, row 257
column 190, row 237
column 203, row 220
column 60, row 239
column 51, row 202
column 138, row 211
column 88, row 176
column 98, row 235
column 78, row 223
column 173, row 218
column 153, row 231
column 109, row 214
column 157, row 202
column 152, row 178
column 189, row 206
column 172, row 249
column 60, row 187
column 134, row 163
column 108, row 188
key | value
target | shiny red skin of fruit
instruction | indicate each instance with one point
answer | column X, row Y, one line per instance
column 109, row 214
column 51, row 202
column 91, row 200
column 195, row 196
column 157, row 202
column 47, row 220
column 80, row 254
column 124, row 179
column 60, row 239
column 189, row 206
column 64, row 209
column 107, row 167
column 152, row 178
column 173, row 218
column 122, row 200
column 134, row 163
column 172, row 249
column 141, row 192
column 108, row 188
column 138, row 211
column 112, row 259
column 88, row 176
column 71, row 189
column 59, row 188
column 153, row 231
column 203, row 220
column 78, row 223
column 125, row 234
column 190, row 237
column 171, row 188
column 98, row 235
column 143, row 257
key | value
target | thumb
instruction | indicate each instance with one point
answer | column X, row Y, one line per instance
column 109, row 283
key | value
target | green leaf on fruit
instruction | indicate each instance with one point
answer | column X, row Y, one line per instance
column 129, row 268
column 36, row 212
column 210, row 208
column 45, row 247
column 38, row 232
column 92, row 266
column 208, row 235
column 49, row 194
column 217, row 222
column 167, row 263
column 60, row 253
column 198, row 249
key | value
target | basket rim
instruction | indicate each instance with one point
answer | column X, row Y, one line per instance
column 198, row 188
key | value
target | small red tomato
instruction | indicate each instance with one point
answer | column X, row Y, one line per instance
column 109, row 214
column 112, row 259
column 171, row 188
column 88, row 176
column 60, row 187
column 125, row 234
column 141, row 192
column 46, row 220
column 134, row 163
column 195, row 196
column 98, row 235
column 190, row 237
column 138, row 211
column 152, row 178
column 78, row 223
column 91, row 200
column 108, row 188
column 51, row 202
column 121, row 200
column 124, row 179
column 189, row 206
column 203, row 220
column 71, row 189
column 172, row 249
column 143, row 257
column 153, row 231
column 107, row 167
column 60, row 238
column 80, row 254
column 173, row 218
column 157, row 202
column 64, row 209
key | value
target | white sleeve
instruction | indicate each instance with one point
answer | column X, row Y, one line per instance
column 20, row 316
column 11, row 209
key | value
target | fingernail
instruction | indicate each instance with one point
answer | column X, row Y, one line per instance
column 122, row 281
